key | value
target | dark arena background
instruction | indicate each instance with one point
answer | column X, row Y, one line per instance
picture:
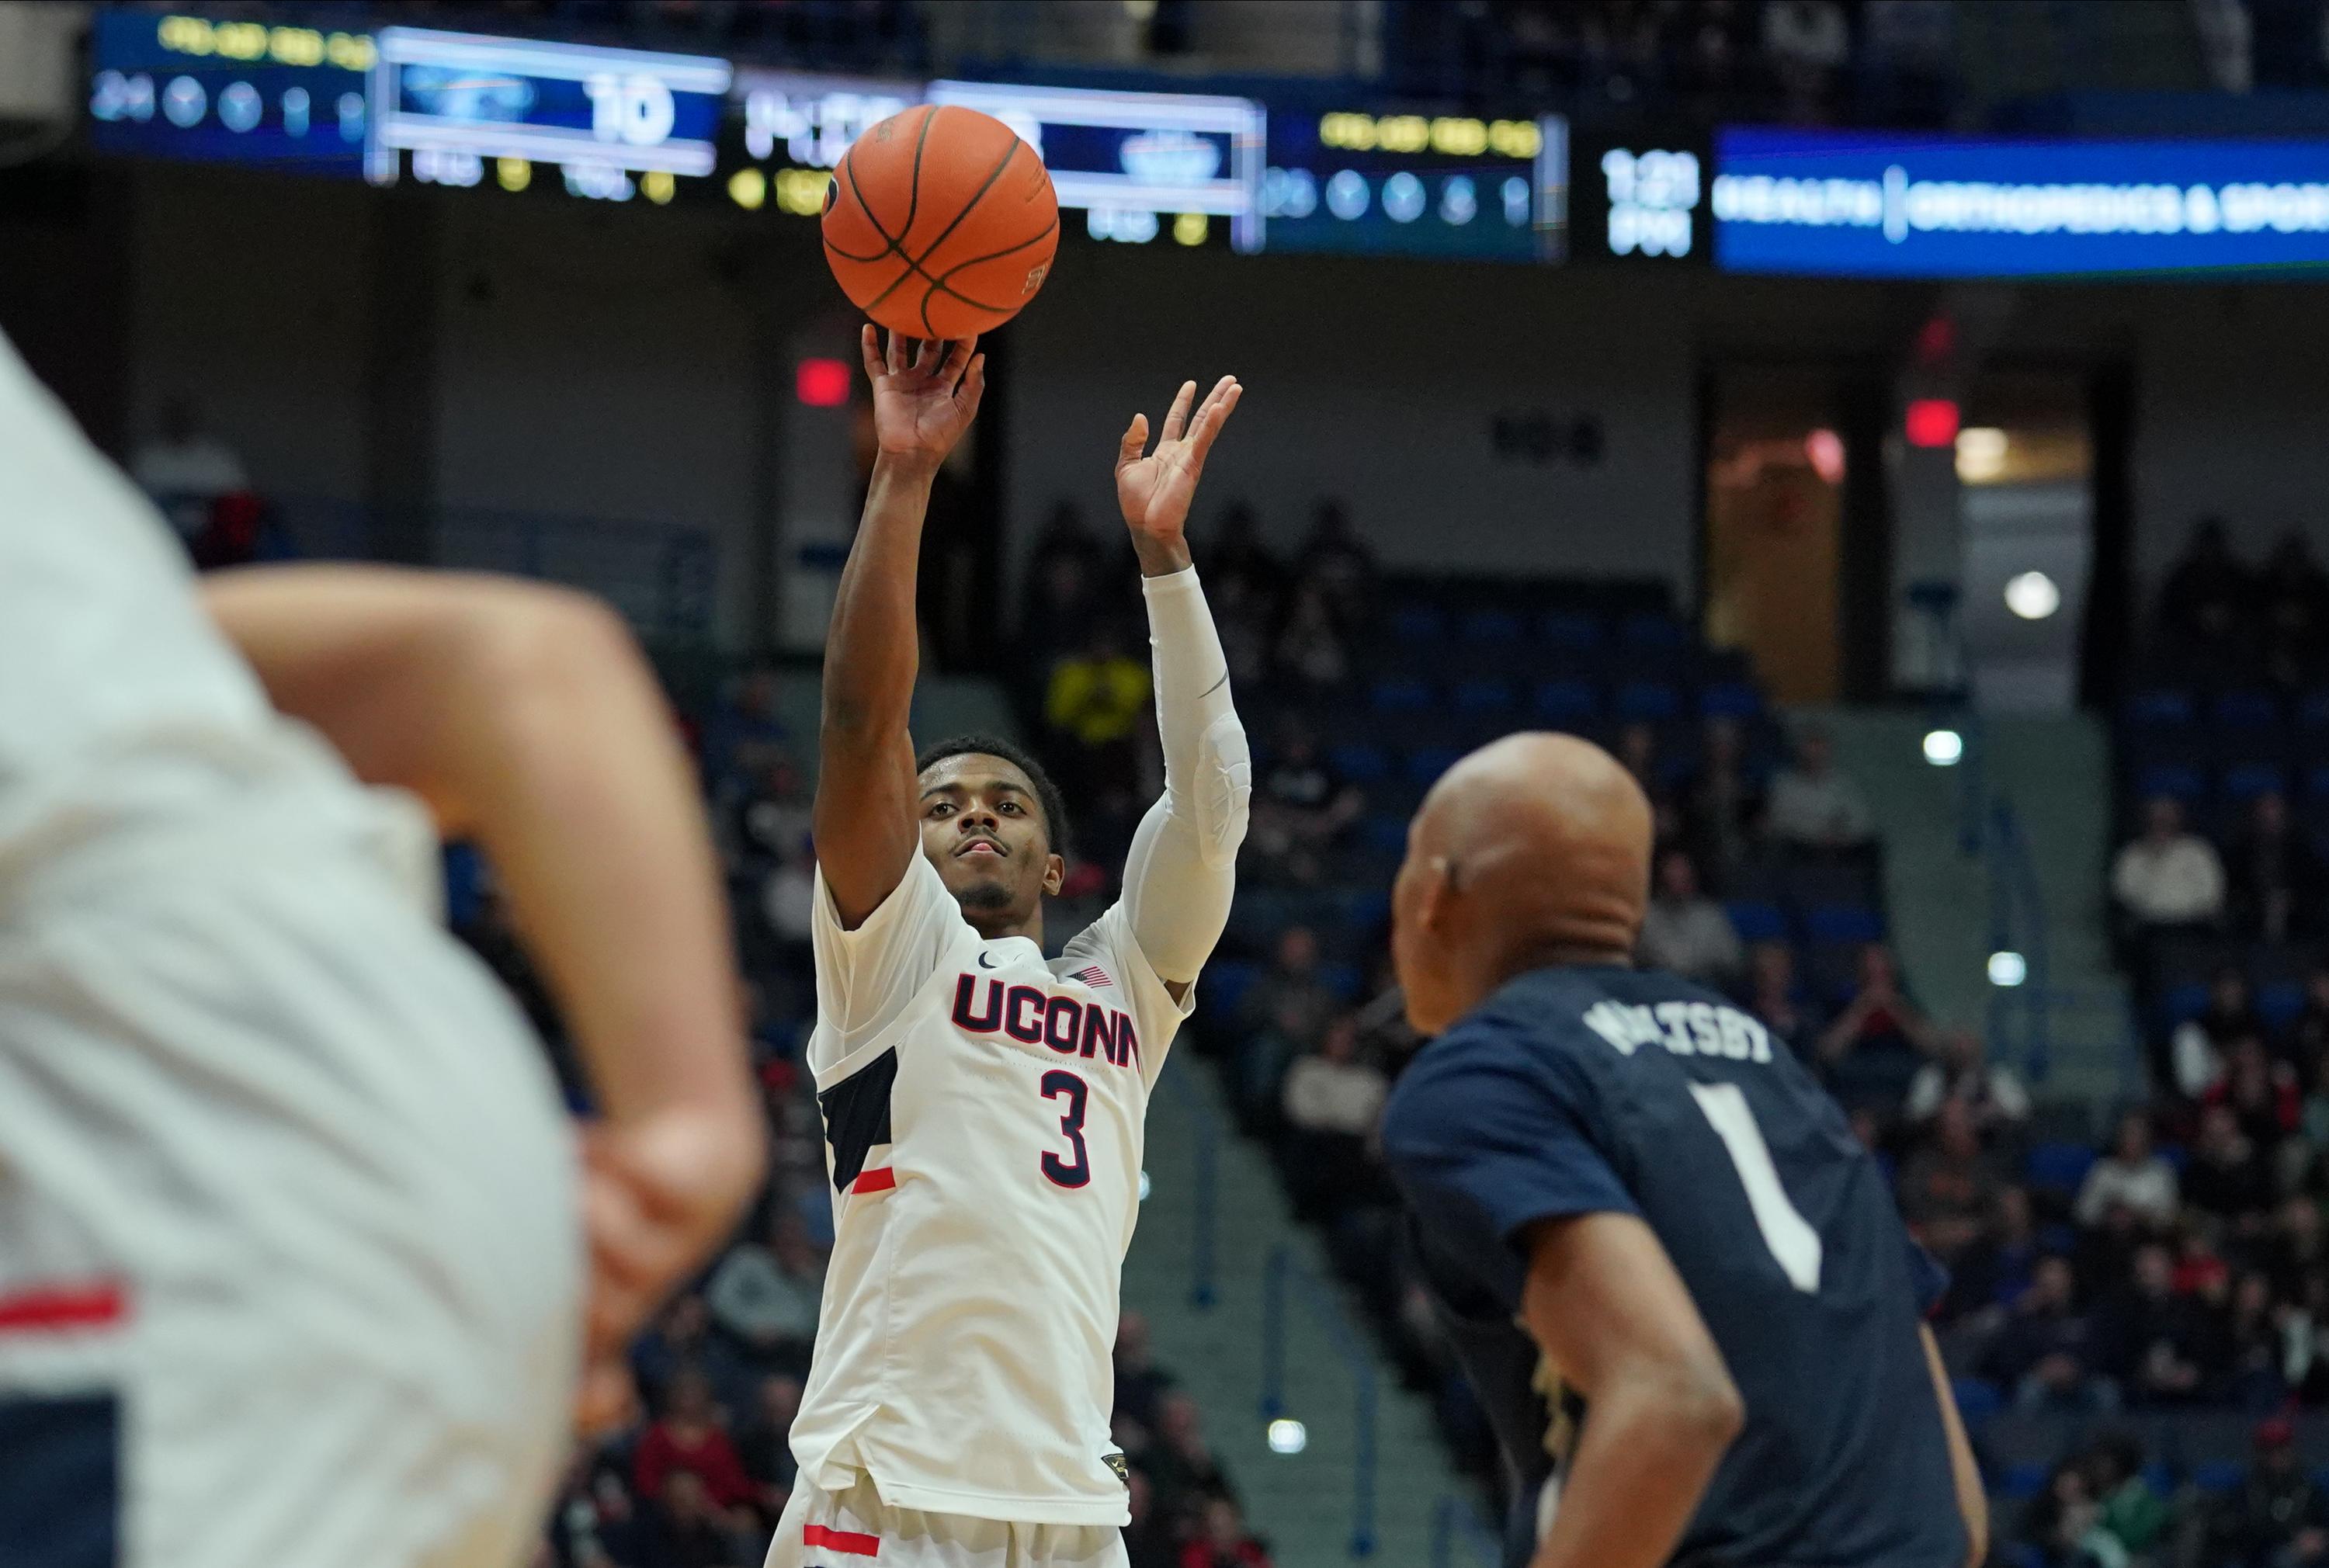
column 1896, row 429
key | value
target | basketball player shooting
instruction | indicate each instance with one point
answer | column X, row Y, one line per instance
column 984, row 1107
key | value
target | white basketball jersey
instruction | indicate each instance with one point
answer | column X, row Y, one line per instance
column 983, row 1112
column 125, row 720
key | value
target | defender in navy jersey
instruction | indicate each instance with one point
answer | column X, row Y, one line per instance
column 1676, row 1280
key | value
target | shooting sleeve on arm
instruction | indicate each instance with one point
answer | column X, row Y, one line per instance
column 1182, row 872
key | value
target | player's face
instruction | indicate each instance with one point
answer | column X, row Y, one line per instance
column 983, row 829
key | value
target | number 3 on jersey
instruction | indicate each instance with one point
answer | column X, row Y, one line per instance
column 1794, row 1244
column 1075, row 1172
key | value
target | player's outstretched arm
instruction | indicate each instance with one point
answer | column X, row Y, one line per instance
column 1181, row 874
column 1973, row 1497
column 525, row 717
column 1616, row 1321
column 925, row 396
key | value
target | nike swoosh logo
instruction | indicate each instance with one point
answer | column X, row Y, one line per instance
column 983, row 963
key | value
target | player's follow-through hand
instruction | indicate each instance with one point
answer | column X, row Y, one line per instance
column 925, row 394
column 1154, row 491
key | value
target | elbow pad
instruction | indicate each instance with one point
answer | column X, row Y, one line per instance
column 1221, row 793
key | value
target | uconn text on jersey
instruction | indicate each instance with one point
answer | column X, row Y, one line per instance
column 1028, row 1013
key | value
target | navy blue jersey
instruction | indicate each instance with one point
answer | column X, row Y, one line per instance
column 1609, row 1090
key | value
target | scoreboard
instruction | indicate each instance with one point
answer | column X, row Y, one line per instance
column 445, row 105
column 189, row 86
column 1441, row 185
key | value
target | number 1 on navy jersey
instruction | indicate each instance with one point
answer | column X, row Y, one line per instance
column 1078, row 1171
column 1794, row 1245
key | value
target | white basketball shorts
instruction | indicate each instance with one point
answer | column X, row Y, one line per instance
column 856, row 1529
column 289, row 1262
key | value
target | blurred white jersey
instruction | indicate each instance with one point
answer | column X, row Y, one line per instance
column 984, row 1115
column 288, row 1254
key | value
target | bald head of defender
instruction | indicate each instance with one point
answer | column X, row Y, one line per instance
column 1532, row 851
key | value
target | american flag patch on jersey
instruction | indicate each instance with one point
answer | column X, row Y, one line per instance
column 1092, row 975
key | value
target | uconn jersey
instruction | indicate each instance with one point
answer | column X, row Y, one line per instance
column 983, row 1112
column 1606, row 1090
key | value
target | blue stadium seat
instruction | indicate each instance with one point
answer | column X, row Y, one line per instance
column 1755, row 921
column 1648, row 631
column 1359, row 762
column 2278, row 1002
column 1226, row 982
column 2246, row 781
column 1366, row 908
column 1491, row 626
column 1568, row 702
column 1425, row 764
column 1415, row 622
column 1842, row 924
column 2159, row 708
column 2020, row 1554
column 2246, row 710
column 1383, row 833
column 1646, row 700
column 1731, row 700
column 2057, row 1167
column 2021, row 1481
column 2220, row 1475
column 1485, row 694
column 2173, row 779
column 1343, row 979
column 2184, row 1003
column 1572, row 629
column 1406, row 695
column 1976, row 1398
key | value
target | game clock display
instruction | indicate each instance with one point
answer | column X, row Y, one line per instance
column 1643, row 200
column 1416, row 184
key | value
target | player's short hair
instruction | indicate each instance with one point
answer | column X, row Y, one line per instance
column 1047, row 793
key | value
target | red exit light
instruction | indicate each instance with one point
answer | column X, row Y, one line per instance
column 1931, row 422
column 824, row 383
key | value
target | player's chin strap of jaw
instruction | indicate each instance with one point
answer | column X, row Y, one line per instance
column 1182, row 872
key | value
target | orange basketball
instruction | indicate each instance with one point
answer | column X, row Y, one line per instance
column 940, row 223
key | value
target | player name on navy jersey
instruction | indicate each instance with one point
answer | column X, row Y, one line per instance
column 1582, row 1089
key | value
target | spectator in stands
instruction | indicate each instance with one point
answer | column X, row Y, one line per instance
column 1224, row 1543
column 594, row 1523
column 2044, row 1355
column 2274, row 876
column 2132, row 1177
column 1725, row 806
column 2260, row 1091
column 2167, row 879
column 1950, row 1188
column 1290, row 996
column 2254, row 1351
column 1301, row 808
column 1686, row 931
column 1062, row 602
column 1140, row 1384
column 682, row 1339
column 789, row 906
column 1332, row 1102
column 2229, row 1175
column 1772, row 996
column 2130, row 1512
column 1335, row 560
column 1992, row 1274
column 1874, row 1046
column 186, row 467
column 687, row 1528
column 691, row 1439
column 765, row 1445
column 2202, row 1045
column 2308, row 1035
column 766, row 1296
column 1245, row 585
column 2152, row 1337
column 772, row 809
column 1815, row 807
column 744, row 747
column 2062, row 1527
column 1066, row 540
column 1187, row 1474
column 2205, row 599
column 1961, row 1074
column 1095, row 700
column 1311, row 651
column 2295, row 597
column 2279, row 1518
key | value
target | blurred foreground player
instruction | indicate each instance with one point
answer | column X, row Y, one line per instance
column 1676, row 1280
column 984, row 1107
column 292, row 1240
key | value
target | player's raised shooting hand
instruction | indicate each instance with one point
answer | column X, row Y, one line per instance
column 1154, row 491
column 925, row 395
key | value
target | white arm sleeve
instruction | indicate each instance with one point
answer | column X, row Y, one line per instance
column 1182, row 872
